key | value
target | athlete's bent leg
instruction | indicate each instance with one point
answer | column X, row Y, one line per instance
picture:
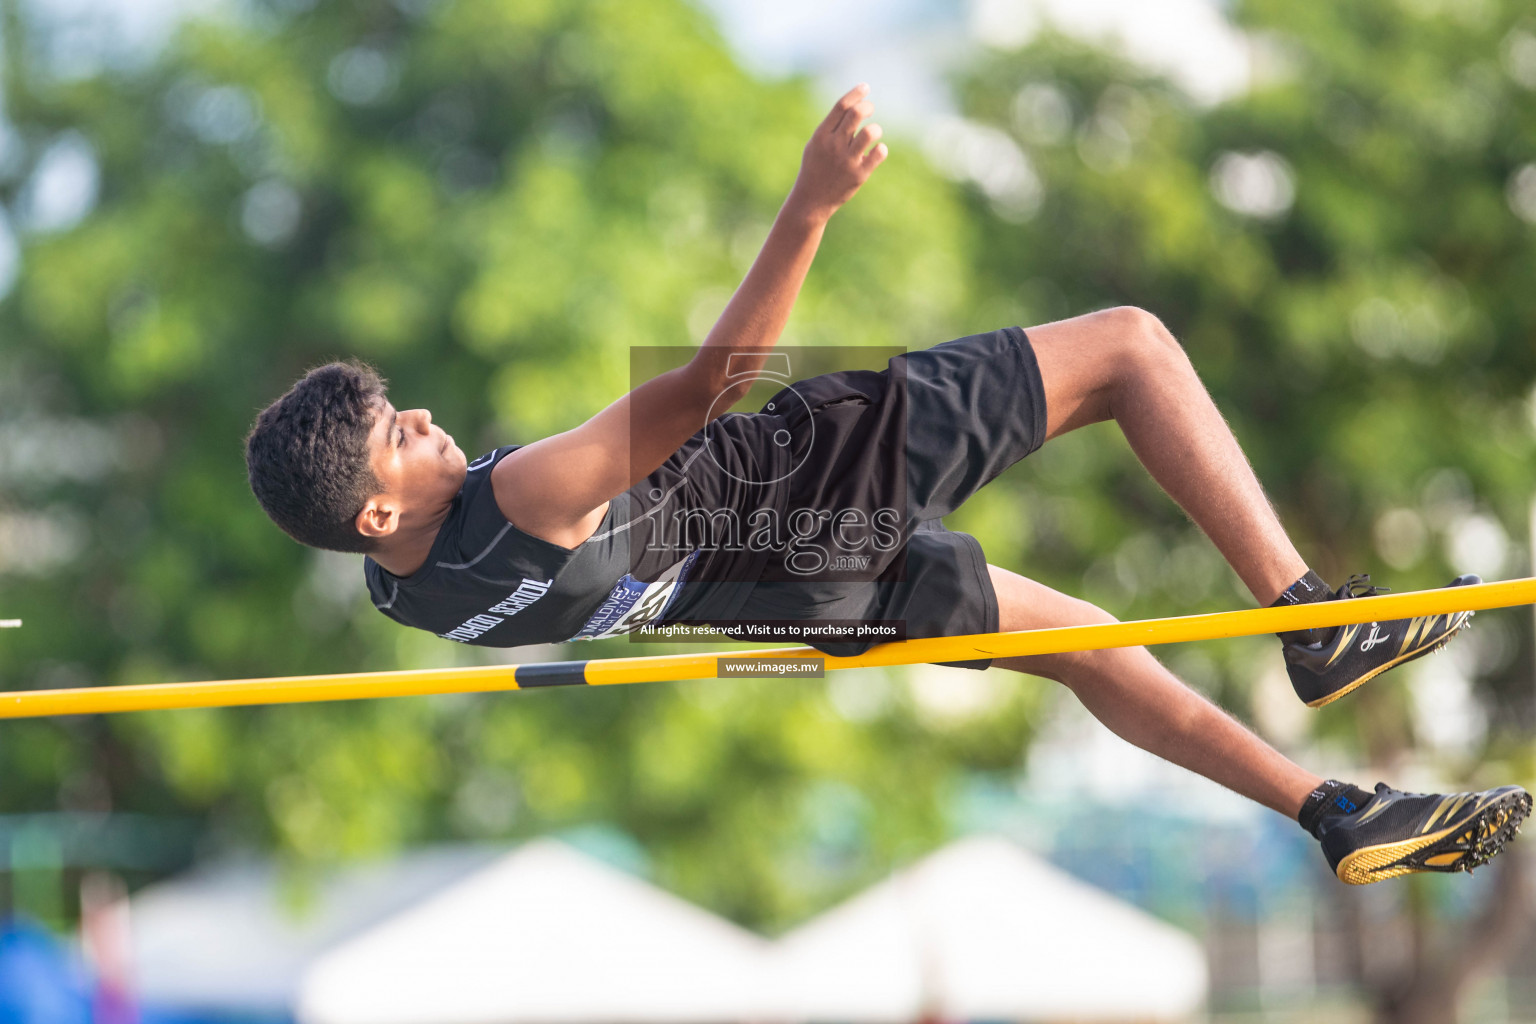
column 1131, row 692
column 1366, row 837
column 1123, row 364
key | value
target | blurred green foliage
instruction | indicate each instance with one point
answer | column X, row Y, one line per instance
column 1345, row 252
column 494, row 201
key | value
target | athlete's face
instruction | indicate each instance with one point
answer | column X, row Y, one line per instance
column 415, row 460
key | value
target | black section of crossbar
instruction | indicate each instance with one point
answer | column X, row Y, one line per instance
column 551, row 673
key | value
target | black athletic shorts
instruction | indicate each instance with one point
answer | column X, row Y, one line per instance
column 921, row 436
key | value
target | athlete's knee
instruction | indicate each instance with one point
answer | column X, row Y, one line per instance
column 1150, row 354
column 1143, row 333
column 1067, row 667
column 1074, row 669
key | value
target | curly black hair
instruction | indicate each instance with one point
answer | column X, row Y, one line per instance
column 307, row 455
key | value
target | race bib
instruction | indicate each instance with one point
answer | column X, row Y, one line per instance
column 632, row 603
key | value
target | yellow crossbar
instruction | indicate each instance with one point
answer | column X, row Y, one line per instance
column 667, row 667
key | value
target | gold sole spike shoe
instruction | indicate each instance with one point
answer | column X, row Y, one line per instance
column 1398, row 833
column 1359, row 652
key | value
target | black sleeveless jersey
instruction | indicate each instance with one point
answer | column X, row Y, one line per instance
column 671, row 543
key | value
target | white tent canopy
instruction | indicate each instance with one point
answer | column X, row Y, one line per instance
column 983, row 930
column 225, row 939
column 546, row 934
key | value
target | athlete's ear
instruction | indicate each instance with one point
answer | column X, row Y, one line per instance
column 379, row 517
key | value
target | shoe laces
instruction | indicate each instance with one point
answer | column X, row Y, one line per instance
column 1360, row 585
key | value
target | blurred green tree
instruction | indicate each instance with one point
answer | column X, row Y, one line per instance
column 1345, row 251
column 1342, row 250
column 492, row 201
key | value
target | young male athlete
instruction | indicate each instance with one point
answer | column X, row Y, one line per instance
column 664, row 507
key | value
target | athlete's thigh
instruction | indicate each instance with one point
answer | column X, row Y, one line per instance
column 1023, row 603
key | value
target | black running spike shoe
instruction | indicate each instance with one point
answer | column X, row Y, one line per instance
column 1324, row 672
column 1397, row 833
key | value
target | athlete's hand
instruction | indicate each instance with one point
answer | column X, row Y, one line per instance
column 840, row 156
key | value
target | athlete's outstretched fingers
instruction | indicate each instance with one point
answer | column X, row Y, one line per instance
column 853, row 117
column 844, row 103
column 875, row 157
column 868, row 137
column 832, row 169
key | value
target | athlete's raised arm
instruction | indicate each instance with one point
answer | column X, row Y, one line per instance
column 557, row 488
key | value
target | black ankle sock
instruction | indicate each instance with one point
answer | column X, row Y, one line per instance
column 1331, row 798
column 1308, row 589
